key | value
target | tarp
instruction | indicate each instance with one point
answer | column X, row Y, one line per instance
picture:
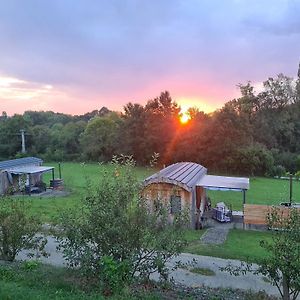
column 222, row 183
column 31, row 170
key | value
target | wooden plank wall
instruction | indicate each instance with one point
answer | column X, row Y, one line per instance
column 256, row 214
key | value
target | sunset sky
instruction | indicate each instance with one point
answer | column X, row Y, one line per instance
column 76, row 56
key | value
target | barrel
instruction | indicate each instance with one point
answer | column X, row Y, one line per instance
column 57, row 184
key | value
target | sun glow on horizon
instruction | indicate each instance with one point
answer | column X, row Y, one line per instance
column 189, row 102
column 184, row 118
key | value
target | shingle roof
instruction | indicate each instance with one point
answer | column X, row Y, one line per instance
column 8, row 164
column 183, row 174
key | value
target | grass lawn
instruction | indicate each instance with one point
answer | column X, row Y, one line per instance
column 75, row 176
column 240, row 244
column 21, row 282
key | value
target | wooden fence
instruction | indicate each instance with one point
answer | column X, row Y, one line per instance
column 256, row 214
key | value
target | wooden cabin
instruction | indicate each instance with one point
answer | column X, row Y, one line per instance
column 183, row 185
column 175, row 187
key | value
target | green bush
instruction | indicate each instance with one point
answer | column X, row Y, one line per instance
column 278, row 171
column 18, row 230
column 114, row 274
column 112, row 235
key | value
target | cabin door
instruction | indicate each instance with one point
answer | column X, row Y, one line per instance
column 199, row 192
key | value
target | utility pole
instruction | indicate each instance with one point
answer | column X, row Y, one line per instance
column 23, row 140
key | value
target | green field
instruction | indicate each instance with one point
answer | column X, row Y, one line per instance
column 262, row 190
column 75, row 176
column 240, row 244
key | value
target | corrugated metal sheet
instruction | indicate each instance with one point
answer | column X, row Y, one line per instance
column 10, row 164
column 224, row 183
column 183, row 174
column 31, row 170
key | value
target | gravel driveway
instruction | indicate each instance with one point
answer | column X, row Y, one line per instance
column 184, row 276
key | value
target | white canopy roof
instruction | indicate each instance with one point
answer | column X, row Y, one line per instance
column 223, row 183
column 31, row 170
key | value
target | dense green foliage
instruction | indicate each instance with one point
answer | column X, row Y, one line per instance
column 283, row 265
column 18, row 230
column 113, row 236
column 255, row 134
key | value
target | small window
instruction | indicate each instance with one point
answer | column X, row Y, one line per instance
column 175, row 204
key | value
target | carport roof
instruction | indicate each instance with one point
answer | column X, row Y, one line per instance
column 224, row 183
column 31, row 170
column 14, row 163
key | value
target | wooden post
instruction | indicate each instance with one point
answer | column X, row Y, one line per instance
column 193, row 207
column 29, row 183
column 53, row 174
column 244, row 202
column 59, row 170
column 291, row 189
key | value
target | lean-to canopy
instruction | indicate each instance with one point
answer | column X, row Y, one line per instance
column 212, row 182
column 31, row 170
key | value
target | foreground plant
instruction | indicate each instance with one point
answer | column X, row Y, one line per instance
column 19, row 230
column 113, row 237
column 282, row 265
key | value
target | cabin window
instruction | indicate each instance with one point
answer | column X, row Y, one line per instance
column 175, row 204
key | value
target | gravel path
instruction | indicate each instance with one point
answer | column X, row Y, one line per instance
column 184, row 276
column 215, row 235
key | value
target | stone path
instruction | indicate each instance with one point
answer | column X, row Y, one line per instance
column 215, row 235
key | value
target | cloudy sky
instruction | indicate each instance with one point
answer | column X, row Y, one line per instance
column 75, row 56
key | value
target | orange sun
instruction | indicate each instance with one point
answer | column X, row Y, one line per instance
column 184, row 118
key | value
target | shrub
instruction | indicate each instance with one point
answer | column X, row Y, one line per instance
column 18, row 230
column 278, row 171
column 282, row 265
column 112, row 236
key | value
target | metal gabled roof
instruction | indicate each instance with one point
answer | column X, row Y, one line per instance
column 10, row 164
column 183, row 174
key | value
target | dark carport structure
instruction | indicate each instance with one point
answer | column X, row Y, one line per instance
column 30, row 167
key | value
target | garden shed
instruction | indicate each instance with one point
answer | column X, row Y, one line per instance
column 176, row 186
column 22, row 173
column 184, row 184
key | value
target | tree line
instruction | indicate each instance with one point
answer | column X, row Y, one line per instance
column 255, row 134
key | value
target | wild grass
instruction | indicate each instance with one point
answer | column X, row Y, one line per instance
column 202, row 271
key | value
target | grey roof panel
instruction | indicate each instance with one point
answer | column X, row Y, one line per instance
column 224, row 182
column 7, row 164
column 184, row 174
column 189, row 173
column 31, row 170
